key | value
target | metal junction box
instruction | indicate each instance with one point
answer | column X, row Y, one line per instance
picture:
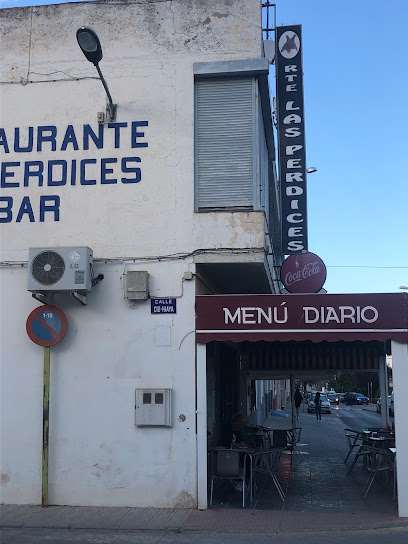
column 137, row 285
column 153, row 408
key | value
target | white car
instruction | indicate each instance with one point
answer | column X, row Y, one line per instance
column 325, row 404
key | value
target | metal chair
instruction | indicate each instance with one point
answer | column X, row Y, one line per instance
column 293, row 438
column 381, row 462
column 228, row 464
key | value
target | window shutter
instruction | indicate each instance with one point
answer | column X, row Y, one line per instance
column 224, row 143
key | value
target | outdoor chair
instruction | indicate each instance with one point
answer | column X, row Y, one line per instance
column 381, row 462
column 293, row 438
column 228, row 464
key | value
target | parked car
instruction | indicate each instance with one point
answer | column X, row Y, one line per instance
column 310, row 395
column 389, row 406
column 333, row 397
column 355, row 398
column 326, row 408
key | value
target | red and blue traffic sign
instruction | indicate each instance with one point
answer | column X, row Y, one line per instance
column 47, row 325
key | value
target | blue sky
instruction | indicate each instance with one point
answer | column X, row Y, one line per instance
column 355, row 82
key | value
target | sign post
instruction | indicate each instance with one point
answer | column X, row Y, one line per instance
column 46, row 326
column 46, row 427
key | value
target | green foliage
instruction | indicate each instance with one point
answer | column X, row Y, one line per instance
column 344, row 382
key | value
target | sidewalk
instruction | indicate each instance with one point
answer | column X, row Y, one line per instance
column 214, row 520
column 319, row 497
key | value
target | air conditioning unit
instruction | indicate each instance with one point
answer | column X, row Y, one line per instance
column 60, row 269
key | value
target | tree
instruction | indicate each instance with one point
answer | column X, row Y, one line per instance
column 344, row 382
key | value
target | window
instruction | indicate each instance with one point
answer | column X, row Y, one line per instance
column 225, row 136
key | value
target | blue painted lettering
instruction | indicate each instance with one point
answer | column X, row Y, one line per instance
column 117, row 127
column 63, row 173
column 17, row 146
column 31, row 173
column 105, row 170
column 127, row 170
column 5, row 174
column 83, row 179
column 97, row 140
column 73, row 172
column 25, row 208
column 46, row 134
column 8, row 201
column 136, row 134
column 49, row 204
column 69, row 138
column 52, row 207
column 3, row 140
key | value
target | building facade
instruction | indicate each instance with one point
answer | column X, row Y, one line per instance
column 176, row 196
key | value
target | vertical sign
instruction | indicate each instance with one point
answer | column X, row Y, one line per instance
column 291, row 139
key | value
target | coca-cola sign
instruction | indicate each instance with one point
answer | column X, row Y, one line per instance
column 303, row 273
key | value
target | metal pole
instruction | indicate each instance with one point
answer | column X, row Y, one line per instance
column 383, row 391
column 111, row 104
column 292, row 401
column 46, row 426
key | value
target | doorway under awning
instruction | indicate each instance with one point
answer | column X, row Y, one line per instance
column 308, row 333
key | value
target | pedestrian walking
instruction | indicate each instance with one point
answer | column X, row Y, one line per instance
column 318, row 407
column 298, row 401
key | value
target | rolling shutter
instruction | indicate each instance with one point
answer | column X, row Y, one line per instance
column 224, row 143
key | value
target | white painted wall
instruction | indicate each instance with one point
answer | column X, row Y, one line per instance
column 97, row 455
column 400, row 379
column 149, row 52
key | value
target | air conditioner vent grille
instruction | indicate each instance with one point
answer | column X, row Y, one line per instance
column 60, row 269
column 48, row 267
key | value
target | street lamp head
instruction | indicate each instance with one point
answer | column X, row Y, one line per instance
column 404, row 287
column 89, row 43
column 311, row 170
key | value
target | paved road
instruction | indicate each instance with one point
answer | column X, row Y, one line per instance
column 53, row 536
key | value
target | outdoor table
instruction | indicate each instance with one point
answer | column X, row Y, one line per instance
column 360, row 442
column 381, row 441
column 264, row 461
column 355, row 439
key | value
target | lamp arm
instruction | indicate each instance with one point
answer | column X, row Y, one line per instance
column 111, row 105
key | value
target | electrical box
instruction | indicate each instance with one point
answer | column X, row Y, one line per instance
column 153, row 408
column 137, row 285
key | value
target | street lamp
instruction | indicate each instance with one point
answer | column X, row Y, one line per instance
column 311, row 170
column 404, row 287
column 91, row 47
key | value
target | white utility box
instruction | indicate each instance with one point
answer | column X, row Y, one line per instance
column 153, row 408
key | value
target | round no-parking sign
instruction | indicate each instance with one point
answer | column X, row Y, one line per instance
column 47, row 325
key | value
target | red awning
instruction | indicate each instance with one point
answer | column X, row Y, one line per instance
column 314, row 317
